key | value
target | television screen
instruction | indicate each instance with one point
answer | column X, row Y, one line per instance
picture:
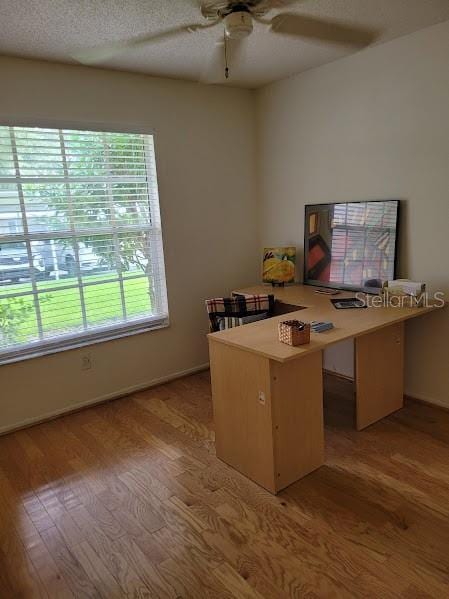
column 351, row 245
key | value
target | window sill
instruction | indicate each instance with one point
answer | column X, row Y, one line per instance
column 83, row 340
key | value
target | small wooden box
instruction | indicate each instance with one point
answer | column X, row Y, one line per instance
column 294, row 332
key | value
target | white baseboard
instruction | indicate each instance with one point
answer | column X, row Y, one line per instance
column 427, row 400
column 109, row 396
column 407, row 395
column 159, row 381
column 338, row 375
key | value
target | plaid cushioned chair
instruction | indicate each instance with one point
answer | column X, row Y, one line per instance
column 228, row 312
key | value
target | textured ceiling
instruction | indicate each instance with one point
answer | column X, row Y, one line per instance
column 56, row 29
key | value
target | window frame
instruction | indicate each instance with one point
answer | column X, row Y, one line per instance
column 108, row 331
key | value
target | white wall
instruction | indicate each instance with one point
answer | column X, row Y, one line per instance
column 370, row 126
column 205, row 157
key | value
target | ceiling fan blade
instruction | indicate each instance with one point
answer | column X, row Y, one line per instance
column 215, row 69
column 271, row 4
column 280, row 3
column 107, row 51
column 324, row 30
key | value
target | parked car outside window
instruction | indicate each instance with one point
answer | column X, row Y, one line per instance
column 15, row 264
column 61, row 256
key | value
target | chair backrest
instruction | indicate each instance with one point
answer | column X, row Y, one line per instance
column 238, row 307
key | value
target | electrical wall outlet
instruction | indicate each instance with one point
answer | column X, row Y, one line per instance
column 86, row 362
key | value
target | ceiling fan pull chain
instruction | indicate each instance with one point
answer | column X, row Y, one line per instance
column 226, row 56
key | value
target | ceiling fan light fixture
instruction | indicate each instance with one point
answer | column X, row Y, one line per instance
column 238, row 24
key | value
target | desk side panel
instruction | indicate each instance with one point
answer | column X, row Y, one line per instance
column 379, row 368
column 243, row 423
column 297, row 397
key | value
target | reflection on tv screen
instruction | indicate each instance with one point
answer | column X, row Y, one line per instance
column 351, row 244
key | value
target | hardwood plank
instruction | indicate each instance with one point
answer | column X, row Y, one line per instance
column 19, row 577
column 187, row 582
column 48, row 572
column 111, row 554
column 97, row 571
column 235, row 583
column 128, row 499
column 72, row 571
column 295, row 569
column 129, row 510
column 147, row 569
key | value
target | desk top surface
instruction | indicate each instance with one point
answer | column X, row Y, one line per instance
column 261, row 337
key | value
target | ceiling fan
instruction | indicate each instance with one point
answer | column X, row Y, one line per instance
column 237, row 18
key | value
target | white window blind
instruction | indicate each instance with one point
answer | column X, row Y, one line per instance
column 81, row 256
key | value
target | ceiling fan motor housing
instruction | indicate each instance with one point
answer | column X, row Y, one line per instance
column 238, row 24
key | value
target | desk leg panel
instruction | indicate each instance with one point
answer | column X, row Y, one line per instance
column 379, row 369
column 297, row 399
column 242, row 412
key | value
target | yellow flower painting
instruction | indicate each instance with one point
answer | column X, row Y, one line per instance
column 279, row 265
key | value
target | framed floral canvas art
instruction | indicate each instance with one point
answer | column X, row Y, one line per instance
column 279, row 264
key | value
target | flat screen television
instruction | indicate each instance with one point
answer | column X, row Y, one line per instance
column 351, row 245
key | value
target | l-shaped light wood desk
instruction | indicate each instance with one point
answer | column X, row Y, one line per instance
column 268, row 396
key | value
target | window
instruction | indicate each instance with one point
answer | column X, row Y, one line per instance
column 81, row 255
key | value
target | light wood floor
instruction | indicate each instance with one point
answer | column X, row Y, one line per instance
column 127, row 500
